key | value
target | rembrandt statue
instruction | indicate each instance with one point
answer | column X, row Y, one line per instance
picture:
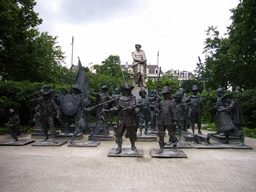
column 139, row 67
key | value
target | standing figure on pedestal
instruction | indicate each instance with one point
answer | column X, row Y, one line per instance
column 127, row 118
column 229, row 116
column 179, row 110
column 188, row 112
column 154, row 99
column 144, row 111
column 48, row 106
column 13, row 124
column 164, row 108
column 139, row 64
column 196, row 104
column 78, row 116
column 101, row 118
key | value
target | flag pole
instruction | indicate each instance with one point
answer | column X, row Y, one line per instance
column 72, row 60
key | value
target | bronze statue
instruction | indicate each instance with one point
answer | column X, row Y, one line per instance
column 229, row 117
column 187, row 122
column 154, row 99
column 101, row 118
column 144, row 111
column 165, row 110
column 196, row 104
column 179, row 109
column 127, row 118
column 13, row 124
column 47, row 106
column 139, row 67
column 76, row 93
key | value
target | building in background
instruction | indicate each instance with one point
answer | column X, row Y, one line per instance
column 152, row 70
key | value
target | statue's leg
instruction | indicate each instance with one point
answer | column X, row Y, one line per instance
column 161, row 139
column 199, row 123
column 13, row 133
column 53, row 129
column 143, row 78
column 172, row 138
column 45, row 129
column 141, row 127
column 132, row 137
column 119, row 134
column 146, row 128
column 193, row 126
column 226, row 138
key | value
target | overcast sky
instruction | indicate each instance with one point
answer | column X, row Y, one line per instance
column 112, row 27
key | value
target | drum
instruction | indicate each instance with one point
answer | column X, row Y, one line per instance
column 224, row 123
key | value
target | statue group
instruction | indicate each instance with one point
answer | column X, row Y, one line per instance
column 151, row 112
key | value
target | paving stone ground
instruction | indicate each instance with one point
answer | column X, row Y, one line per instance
column 27, row 168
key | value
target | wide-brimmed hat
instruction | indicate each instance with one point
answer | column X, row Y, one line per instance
column 48, row 92
column 178, row 94
column 104, row 87
column 76, row 89
column 166, row 89
column 195, row 88
column 64, row 88
column 137, row 45
column 127, row 87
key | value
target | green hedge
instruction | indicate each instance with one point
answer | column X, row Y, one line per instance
column 19, row 96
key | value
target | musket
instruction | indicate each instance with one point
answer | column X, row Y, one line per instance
column 157, row 90
column 95, row 106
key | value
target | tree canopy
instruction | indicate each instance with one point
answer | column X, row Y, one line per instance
column 231, row 60
column 27, row 54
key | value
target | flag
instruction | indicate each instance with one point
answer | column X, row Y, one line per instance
column 81, row 81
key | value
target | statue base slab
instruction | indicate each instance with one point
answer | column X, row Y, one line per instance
column 21, row 142
column 206, row 146
column 109, row 137
column 221, row 138
column 126, row 152
column 85, row 144
column 148, row 138
column 49, row 143
column 168, row 153
column 217, row 145
column 58, row 136
column 188, row 137
column 235, row 146
column 181, row 145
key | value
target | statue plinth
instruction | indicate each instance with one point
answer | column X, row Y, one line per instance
column 136, row 91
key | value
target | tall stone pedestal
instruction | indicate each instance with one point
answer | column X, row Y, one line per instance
column 136, row 91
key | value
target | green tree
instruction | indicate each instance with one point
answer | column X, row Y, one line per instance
column 164, row 80
column 26, row 54
column 108, row 73
column 231, row 61
column 187, row 85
